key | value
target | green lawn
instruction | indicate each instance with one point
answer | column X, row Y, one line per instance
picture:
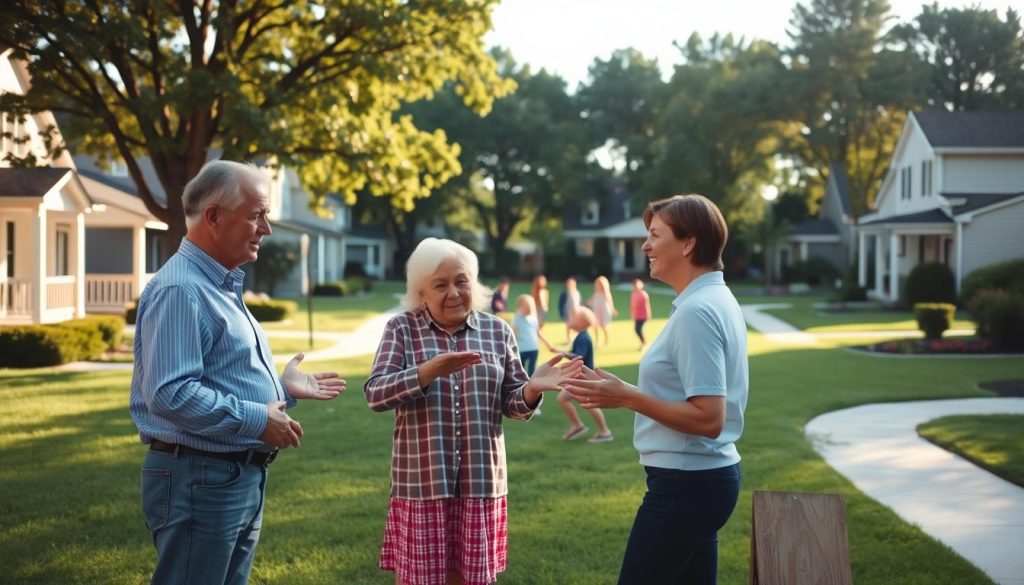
column 69, row 483
column 804, row 315
column 995, row 442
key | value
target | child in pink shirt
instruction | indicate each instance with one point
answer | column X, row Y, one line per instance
column 640, row 308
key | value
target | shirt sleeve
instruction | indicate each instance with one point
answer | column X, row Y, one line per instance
column 700, row 353
column 172, row 351
column 392, row 381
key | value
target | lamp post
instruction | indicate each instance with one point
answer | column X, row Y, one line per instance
column 769, row 193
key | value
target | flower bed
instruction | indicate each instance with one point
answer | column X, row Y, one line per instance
column 952, row 345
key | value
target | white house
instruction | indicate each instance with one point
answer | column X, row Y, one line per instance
column 42, row 218
column 954, row 194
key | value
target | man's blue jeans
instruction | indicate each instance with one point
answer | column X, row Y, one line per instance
column 204, row 515
column 675, row 534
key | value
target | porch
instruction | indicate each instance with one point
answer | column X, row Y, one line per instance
column 893, row 251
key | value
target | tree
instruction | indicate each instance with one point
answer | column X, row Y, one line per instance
column 718, row 132
column 526, row 156
column 275, row 262
column 976, row 60
column 848, row 90
column 621, row 104
column 313, row 85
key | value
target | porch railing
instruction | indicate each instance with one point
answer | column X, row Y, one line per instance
column 60, row 292
column 108, row 292
column 15, row 298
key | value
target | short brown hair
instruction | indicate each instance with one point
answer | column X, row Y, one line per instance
column 694, row 216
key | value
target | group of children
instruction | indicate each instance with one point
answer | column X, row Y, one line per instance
column 528, row 320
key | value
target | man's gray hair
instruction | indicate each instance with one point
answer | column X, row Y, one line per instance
column 219, row 182
column 424, row 262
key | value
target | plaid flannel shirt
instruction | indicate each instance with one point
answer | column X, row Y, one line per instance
column 448, row 438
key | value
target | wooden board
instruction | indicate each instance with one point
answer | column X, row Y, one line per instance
column 799, row 539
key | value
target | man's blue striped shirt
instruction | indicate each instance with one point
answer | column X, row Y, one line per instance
column 203, row 369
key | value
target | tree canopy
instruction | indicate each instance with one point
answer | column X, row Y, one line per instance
column 313, row 85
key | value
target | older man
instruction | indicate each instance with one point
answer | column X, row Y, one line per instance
column 204, row 395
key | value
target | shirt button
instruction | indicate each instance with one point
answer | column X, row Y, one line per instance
column 456, row 387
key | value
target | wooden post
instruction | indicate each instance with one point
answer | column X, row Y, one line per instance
column 799, row 539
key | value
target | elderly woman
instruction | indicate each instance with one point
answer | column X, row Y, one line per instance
column 689, row 400
column 450, row 372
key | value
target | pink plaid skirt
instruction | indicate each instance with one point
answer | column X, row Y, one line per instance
column 424, row 540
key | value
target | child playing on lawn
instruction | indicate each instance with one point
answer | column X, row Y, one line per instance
column 526, row 328
column 640, row 307
column 581, row 321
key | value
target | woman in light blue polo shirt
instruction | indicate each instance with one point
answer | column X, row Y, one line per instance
column 689, row 400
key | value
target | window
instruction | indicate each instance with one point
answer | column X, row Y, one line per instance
column 61, row 252
column 154, row 249
column 627, row 212
column 902, row 249
column 591, row 213
column 905, row 183
column 10, row 249
column 926, row 178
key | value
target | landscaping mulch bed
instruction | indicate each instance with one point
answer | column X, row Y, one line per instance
column 947, row 346
column 1005, row 388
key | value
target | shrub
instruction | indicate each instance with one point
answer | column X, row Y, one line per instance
column 1003, row 275
column 111, row 328
column 271, row 310
column 930, row 282
column 850, row 291
column 359, row 283
column 354, row 268
column 934, row 318
column 814, row 271
column 274, row 263
column 999, row 315
column 34, row 346
column 331, row 289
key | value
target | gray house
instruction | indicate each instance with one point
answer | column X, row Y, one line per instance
column 829, row 236
column 954, row 194
column 606, row 213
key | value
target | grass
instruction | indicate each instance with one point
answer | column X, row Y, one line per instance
column 802, row 314
column 994, row 442
column 69, row 486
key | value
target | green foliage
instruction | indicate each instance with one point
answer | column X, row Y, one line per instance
column 999, row 315
column 330, row 289
column 312, row 85
column 930, row 282
column 275, row 262
column 110, row 327
column 271, row 309
column 934, row 318
column 1007, row 276
column 975, row 59
column 814, row 271
column 33, row 346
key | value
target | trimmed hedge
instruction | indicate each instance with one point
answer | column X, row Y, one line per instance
column 934, row 318
column 35, row 346
column 1007, row 276
column 930, row 282
column 271, row 310
column 999, row 315
column 111, row 327
column 330, row 289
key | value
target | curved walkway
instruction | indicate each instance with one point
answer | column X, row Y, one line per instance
column 977, row 514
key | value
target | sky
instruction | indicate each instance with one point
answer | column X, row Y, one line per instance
column 565, row 36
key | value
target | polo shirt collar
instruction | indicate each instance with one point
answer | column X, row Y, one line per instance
column 708, row 279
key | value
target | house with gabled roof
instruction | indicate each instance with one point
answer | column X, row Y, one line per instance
column 954, row 194
column 830, row 235
column 606, row 213
column 42, row 215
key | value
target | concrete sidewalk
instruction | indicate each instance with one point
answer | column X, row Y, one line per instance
column 976, row 513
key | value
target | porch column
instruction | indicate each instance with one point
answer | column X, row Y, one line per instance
column 78, row 254
column 958, row 246
column 862, row 259
column 38, row 273
column 321, row 260
column 138, row 261
column 804, row 247
column 879, row 265
column 894, row 267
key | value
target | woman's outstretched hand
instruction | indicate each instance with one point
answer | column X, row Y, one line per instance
column 551, row 376
column 599, row 389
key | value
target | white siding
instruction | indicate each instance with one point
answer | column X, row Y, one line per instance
column 983, row 174
column 994, row 237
